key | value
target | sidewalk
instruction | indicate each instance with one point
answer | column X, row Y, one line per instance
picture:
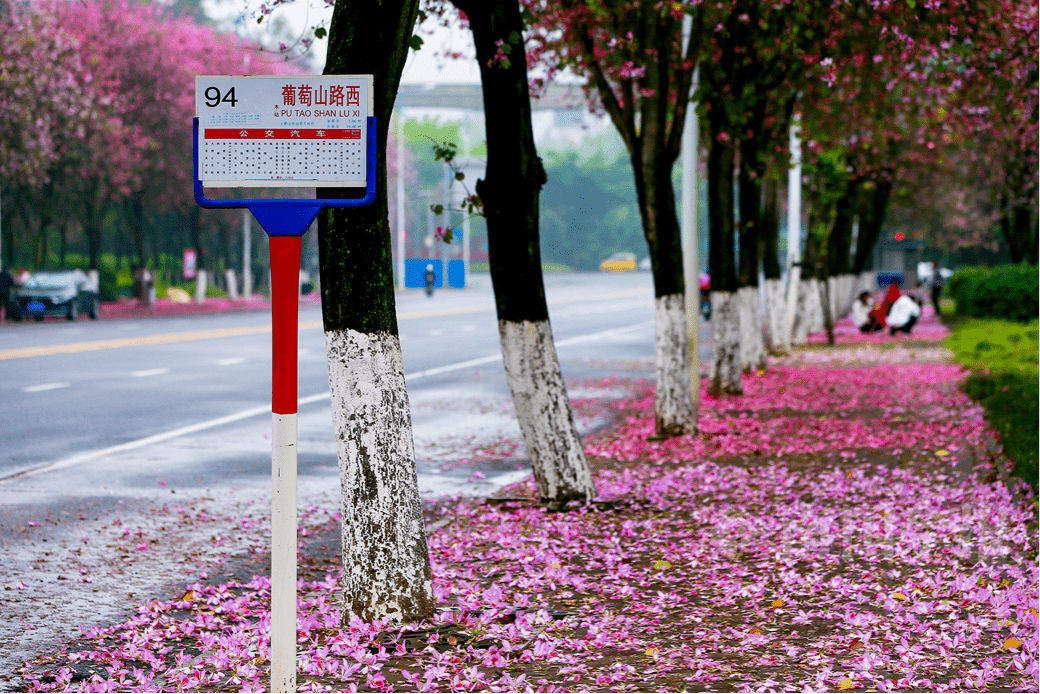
column 845, row 524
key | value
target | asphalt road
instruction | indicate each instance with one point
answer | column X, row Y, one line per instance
column 135, row 454
column 117, row 383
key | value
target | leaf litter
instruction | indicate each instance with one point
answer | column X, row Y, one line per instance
column 846, row 524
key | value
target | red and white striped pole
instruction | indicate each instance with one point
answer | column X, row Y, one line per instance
column 285, row 300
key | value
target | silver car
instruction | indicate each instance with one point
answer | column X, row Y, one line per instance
column 57, row 293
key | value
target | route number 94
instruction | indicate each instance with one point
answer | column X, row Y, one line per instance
column 214, row 99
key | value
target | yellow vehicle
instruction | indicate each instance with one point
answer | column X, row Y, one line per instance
column 619, row 262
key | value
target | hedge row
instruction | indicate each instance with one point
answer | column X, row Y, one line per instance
column 1003, row 357
column 1008, row 292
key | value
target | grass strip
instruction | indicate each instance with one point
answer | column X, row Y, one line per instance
column 1003, row 358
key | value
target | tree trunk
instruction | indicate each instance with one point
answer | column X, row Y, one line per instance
column 770, row 230
column 814, row 321
column 802, row 313
column 510, row 192
column 386, row 565
column 752, row 343
column 1020, row 235
column 93, row 232
column 825, row 300
column 725, row 317
column 839, row 241
column 195, row 234
column 724, row 373
column 673, row 410
column 135, row 218
column 871, row 219
column 776, row 316
column 652, row 137
column 776, row 303
column 63, row 242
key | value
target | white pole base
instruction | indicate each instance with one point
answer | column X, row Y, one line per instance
column 283, row 552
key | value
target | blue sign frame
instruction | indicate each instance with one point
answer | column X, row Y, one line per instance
column 289, row 217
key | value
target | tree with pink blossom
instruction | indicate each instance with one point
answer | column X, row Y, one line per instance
column 639, row 74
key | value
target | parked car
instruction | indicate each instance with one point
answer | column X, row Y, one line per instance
column 619, row 262
column 58, row 293
column 924, row 272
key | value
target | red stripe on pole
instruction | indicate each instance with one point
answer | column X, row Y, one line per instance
column 285, row 302
column 283, row 134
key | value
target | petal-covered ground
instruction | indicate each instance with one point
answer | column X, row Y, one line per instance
column 845, row 524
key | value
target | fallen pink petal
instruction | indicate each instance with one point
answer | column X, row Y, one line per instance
column 847, row 523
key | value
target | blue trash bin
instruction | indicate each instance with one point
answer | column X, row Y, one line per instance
column 415, row 272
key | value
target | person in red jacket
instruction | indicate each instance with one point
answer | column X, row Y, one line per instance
column 880, row 314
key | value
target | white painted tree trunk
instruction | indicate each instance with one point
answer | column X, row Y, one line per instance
column 847, row 296
column 674, row 414
column 867, row 281
column 752, row 345
column 200, row 286
column 385, row 556
column 544, row 411
column 851, row 291
column 776, row 316
column 232, row 284
column 833, row 294
column 802, row 317
column 725, row 372
column 814, row 306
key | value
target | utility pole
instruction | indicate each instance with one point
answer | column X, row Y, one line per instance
column 794, row 225
column 689, row 232
column 247, row 254
column 465, row 249
column 401, row 233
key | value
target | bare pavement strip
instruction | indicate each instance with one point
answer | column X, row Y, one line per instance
column 845, row 524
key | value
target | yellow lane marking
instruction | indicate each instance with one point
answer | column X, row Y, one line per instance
column 170, row 338
column 131, row 342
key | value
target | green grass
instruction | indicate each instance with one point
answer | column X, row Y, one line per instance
column 1005, row 362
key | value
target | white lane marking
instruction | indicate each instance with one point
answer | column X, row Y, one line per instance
column 592, row 337
column 436, row 332
column 149, row 372
column 232, row 360
column 469, row 327
column 266, row 409
column 453, row 367
column 44, row 386
column 614, row 332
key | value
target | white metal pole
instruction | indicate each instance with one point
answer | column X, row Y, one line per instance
column 465, row 249
column 283, row 552
column 690, row 237
column 449, row 190
column 401, row 232
column 247, row 253
column 285, row 298
column 794, row 225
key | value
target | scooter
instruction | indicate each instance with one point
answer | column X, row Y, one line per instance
column 429, row 276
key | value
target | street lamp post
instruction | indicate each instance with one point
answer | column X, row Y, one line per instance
column 689, row 235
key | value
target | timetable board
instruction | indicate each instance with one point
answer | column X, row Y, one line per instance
column 283, row 131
